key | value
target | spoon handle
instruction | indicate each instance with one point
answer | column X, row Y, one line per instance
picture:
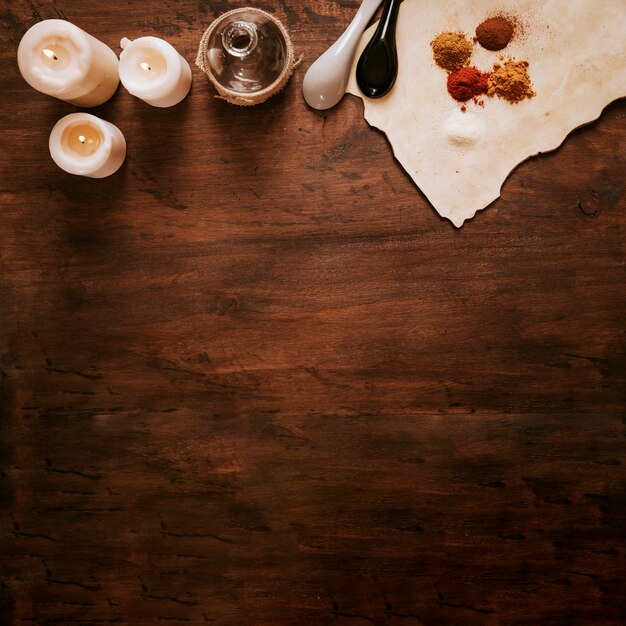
column 349, row 40
column 377, row 68
column 326, row 80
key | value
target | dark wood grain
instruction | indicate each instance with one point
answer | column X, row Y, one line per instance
column 254, row 379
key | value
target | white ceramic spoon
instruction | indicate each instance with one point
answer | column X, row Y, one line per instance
column 326, row 80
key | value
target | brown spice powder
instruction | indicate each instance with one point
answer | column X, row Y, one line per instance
column 511, row 81
column 495, row 33
column 451, row 50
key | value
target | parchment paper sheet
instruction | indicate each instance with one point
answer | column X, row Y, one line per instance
column 577, row 55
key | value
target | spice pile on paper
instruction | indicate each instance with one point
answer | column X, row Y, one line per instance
column 508, row 96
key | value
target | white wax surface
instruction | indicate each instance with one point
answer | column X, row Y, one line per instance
column 61, row 60
column 86, row 145
column 152, row 69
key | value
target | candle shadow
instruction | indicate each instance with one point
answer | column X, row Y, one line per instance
column 90, row 210
column 158, row 149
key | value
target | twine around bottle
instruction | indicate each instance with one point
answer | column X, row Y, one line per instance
column 257, row 97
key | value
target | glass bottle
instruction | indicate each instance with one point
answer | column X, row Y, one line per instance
column 246, row 52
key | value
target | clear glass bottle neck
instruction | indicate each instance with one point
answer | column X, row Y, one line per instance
column 240, row 39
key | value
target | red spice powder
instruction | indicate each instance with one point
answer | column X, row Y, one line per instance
column 467, row 83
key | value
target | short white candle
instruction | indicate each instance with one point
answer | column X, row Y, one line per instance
column 61, row 60
column 84, row 144
column 152, row 69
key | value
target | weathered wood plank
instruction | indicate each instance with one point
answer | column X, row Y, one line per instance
column 253, row 378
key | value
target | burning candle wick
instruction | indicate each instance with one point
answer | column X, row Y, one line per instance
column 152, row 69
column 61, row 60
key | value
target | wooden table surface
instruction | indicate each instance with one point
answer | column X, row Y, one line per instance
column 253, row 379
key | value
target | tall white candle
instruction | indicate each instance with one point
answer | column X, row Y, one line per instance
column 152, row 69
column 61, row 60
column 84, row 144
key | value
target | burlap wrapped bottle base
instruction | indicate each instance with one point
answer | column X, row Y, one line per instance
column 257, row 97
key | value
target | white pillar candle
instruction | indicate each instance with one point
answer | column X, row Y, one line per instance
column 61, row 60
column 84, row 144
column 152, row 69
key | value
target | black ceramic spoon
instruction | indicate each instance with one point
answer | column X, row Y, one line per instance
column 377, row 68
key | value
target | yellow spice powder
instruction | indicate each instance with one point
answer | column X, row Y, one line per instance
column 451, row 50
column 510, row 81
